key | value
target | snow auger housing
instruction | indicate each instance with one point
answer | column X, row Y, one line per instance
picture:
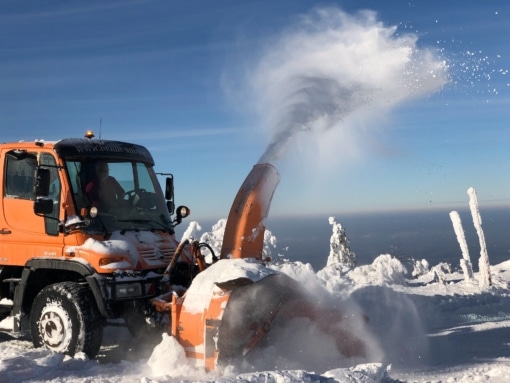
column 232, row 305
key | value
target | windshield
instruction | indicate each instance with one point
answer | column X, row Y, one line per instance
column 126, row 194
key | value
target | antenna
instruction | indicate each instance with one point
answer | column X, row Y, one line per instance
column 100, row 124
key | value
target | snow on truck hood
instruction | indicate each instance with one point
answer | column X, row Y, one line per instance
column 122, row 244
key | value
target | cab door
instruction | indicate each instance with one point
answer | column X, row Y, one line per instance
column 23, row 234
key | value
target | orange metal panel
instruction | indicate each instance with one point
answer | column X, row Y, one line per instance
column 244, row 231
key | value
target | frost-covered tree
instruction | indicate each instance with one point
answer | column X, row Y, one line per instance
column 465, row 262
column 483, row 262
column 269, row 244
column 191, row 231
column 339, row 248
column 214, row 238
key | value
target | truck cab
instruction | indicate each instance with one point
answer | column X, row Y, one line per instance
column 68, row 265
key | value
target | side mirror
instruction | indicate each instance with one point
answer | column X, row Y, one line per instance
column 43, row 206
column 169, row 188
column 42, row 182
column 169, row 194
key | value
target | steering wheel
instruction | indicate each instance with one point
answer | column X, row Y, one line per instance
column 134, row 196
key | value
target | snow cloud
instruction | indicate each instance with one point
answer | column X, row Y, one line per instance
column 332, row 74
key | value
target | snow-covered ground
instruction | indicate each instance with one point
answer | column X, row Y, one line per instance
column 428, row 324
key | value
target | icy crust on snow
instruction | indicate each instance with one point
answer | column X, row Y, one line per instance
column 204, row 285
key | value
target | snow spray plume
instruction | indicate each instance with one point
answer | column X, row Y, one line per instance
column 330, row 67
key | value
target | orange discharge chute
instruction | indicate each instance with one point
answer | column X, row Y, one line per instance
column 235, row 303
column 244, row 231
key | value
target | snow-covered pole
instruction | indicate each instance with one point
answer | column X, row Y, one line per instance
column 483, row 262
column 465, row 262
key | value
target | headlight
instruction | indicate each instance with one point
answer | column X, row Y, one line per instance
column 128, row 290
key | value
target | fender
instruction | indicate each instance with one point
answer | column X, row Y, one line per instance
column 32, row 266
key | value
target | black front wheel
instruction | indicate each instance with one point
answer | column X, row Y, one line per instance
column 65, row 318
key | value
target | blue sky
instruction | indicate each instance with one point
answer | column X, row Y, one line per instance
column 178, row 77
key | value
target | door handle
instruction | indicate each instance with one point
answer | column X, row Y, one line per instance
column 5, row 231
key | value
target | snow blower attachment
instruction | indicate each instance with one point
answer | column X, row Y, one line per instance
column 244, row 231
column 231, row 307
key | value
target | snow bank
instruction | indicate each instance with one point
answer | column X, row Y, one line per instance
column 169, row 359
column 385, row 270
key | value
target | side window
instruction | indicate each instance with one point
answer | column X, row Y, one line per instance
column 144, row 178
column 78, row 178
column 19, row 173
column 47, row 159
column 51, row 225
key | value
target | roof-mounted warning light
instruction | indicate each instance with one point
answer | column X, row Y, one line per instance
column 89, row 134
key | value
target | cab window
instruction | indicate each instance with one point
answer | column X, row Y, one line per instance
column 48, row 161
column 19, row 172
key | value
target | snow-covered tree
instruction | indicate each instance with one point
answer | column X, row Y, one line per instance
column 191, row 231
column 339, row 248
column 214, row 238
column 465, row 262
column 269, row 242
column 483, row 262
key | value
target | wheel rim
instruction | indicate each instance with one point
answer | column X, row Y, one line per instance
column 55, row 327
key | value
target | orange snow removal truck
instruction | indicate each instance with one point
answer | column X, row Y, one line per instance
column 87, row 240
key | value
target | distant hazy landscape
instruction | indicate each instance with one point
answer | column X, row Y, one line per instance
column 405, row 235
